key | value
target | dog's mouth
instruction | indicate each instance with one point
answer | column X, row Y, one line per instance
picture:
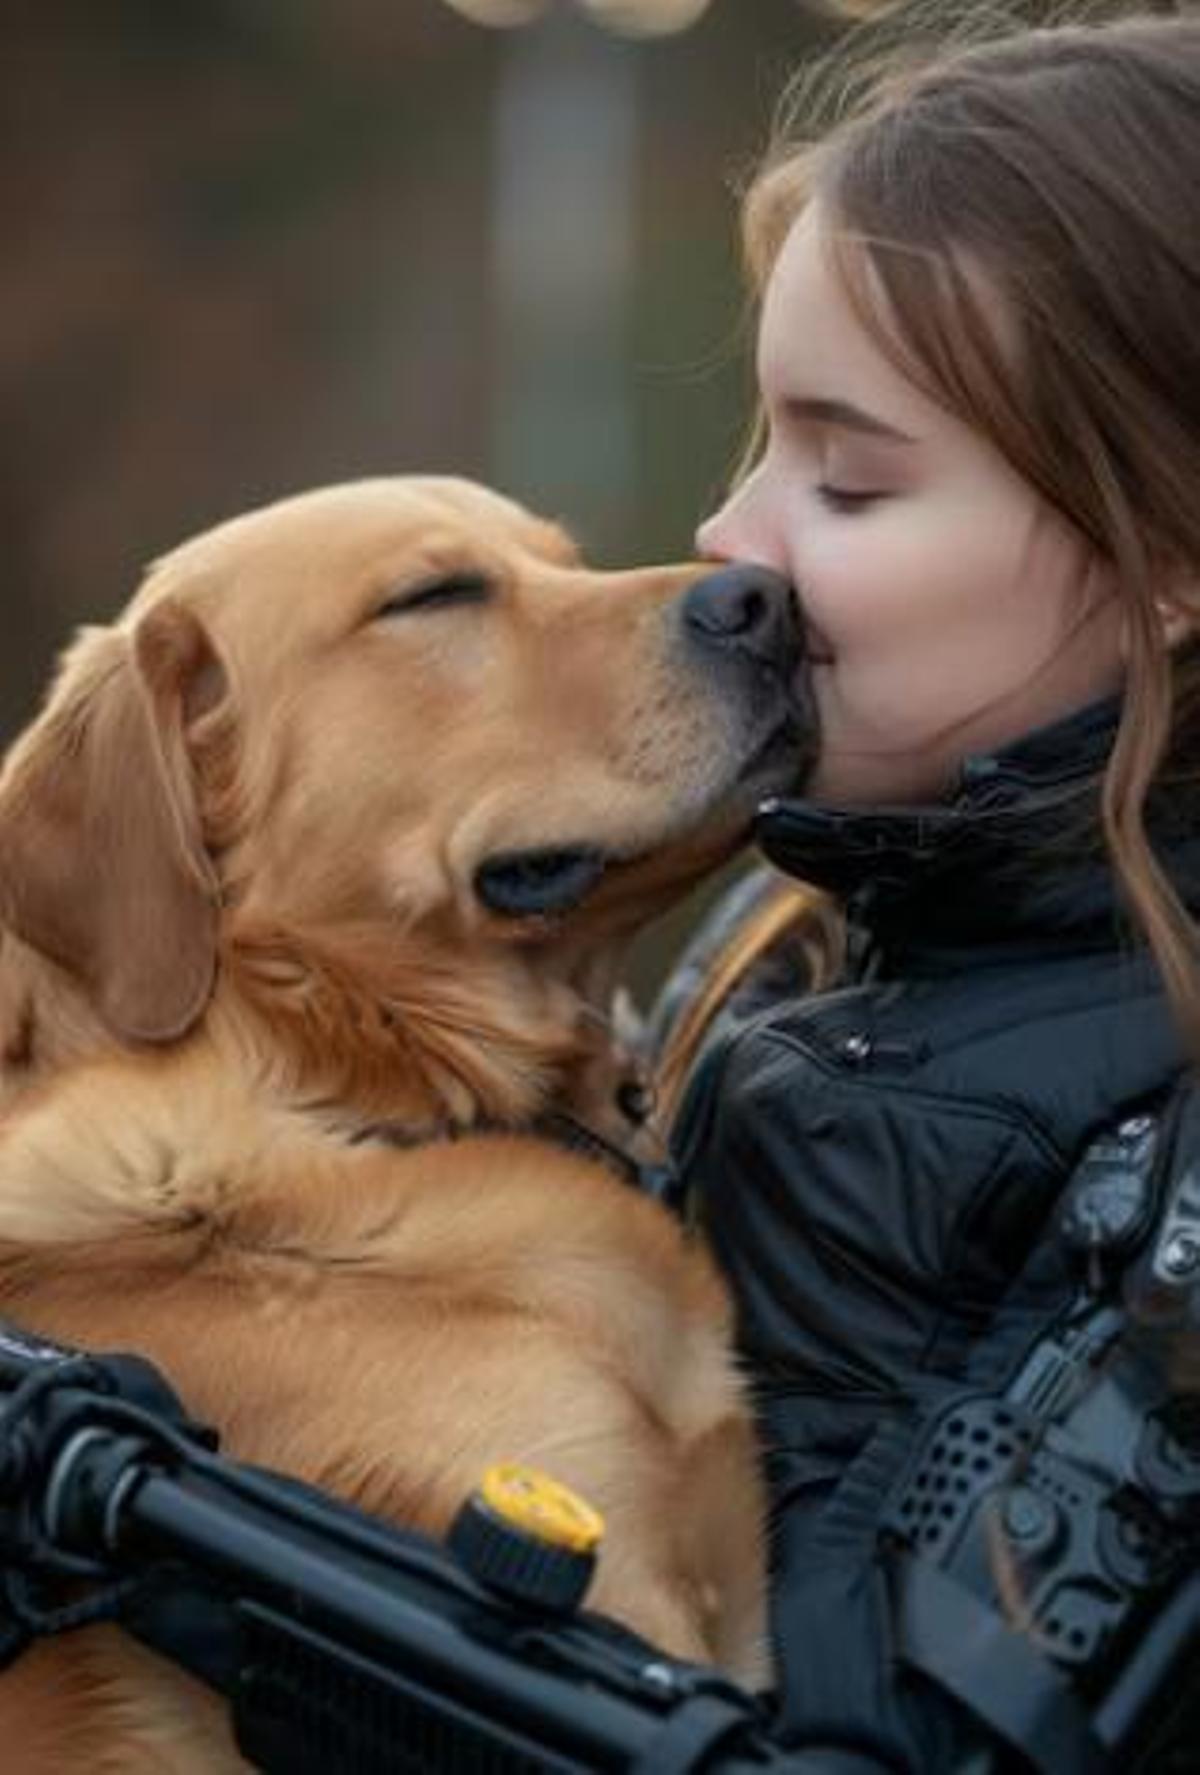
column 552, row 880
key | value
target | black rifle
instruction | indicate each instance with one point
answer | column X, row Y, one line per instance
column 342, row 1644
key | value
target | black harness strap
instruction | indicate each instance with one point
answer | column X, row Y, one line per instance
column 950, row 1636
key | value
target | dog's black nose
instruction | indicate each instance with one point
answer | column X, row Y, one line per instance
column 751, row 610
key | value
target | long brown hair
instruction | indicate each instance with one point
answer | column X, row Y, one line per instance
column 1060, row 163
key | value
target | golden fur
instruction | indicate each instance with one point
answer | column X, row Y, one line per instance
column 240, row 866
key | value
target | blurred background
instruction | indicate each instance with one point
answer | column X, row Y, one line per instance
column 255, row 245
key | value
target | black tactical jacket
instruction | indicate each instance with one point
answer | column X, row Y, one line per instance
column 875, row 1163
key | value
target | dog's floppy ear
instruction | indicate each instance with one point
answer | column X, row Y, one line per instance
column 102, row 861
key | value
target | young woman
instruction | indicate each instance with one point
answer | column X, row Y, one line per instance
column 979, row 366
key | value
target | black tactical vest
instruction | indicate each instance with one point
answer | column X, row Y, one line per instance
column 874, row 1164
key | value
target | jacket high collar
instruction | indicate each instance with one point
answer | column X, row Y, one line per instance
column 1014, row 856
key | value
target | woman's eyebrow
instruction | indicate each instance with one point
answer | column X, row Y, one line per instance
column 846, row 414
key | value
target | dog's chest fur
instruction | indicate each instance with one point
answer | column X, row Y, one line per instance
column 258, row 1255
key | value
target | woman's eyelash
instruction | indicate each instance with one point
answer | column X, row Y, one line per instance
column 438, row 594
column 848, row 499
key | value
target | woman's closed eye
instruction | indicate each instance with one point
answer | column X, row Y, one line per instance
column 849, row 499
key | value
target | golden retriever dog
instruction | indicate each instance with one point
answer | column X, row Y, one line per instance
column 315, row 872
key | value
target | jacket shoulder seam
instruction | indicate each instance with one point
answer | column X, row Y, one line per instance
column 974, row 1106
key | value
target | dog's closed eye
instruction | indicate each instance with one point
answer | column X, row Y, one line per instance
column 450, row 590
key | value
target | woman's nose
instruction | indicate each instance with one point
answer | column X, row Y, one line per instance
column 713, row 541
column 731, row 534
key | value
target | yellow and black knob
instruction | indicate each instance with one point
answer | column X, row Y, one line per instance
column 528, row 1537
